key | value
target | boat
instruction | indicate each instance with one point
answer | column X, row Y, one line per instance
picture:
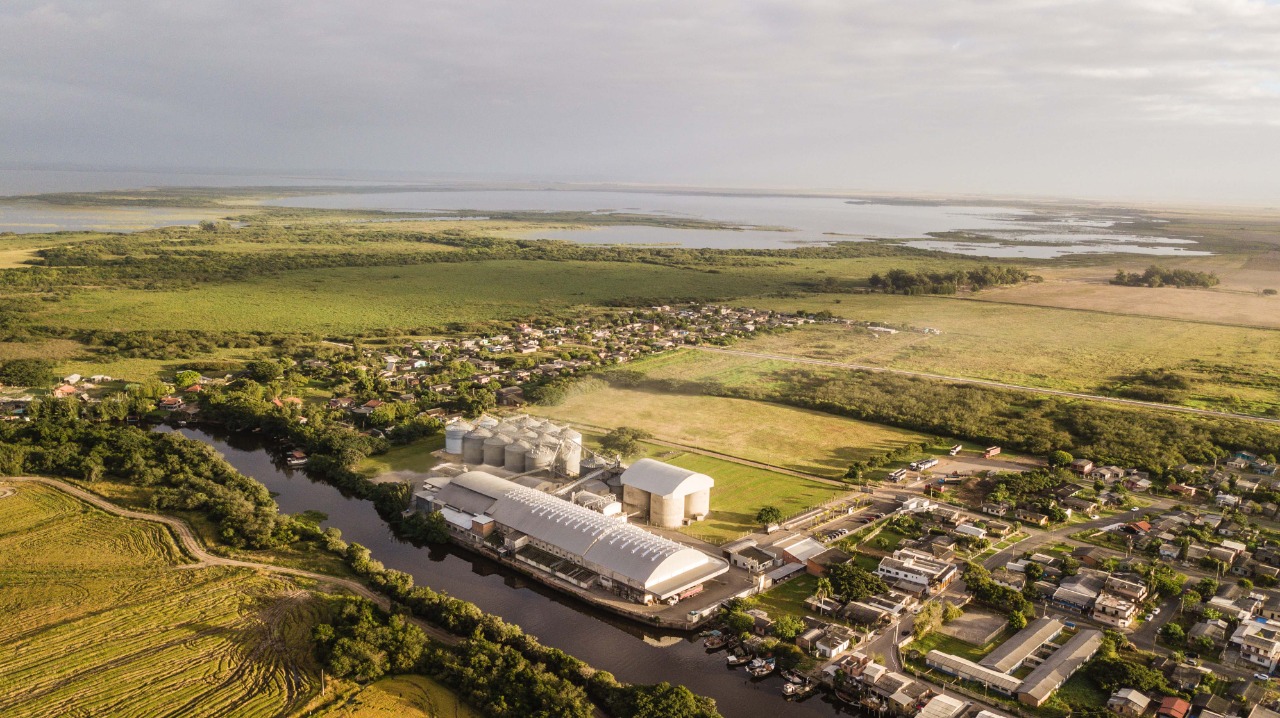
column 795, row 677
column 738, row 659
column 847, row 698
column 295, row 458
column 798, row 689
column 714, row 640
column 761, row 667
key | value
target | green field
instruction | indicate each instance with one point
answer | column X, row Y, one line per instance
column 772, row 434
column 741, row 491
column 415, row 456
column 107, row 623
column 1228, row 367
column 787, row 598
column 401, row 697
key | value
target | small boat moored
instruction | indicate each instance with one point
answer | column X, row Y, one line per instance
column 738, row 658
column 714, row 640
column 798, row 689
column 761, row 667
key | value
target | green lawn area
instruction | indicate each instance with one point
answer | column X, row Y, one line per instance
column 1080, row 691
column 741, row 491
column 938, row 642
column 415, row 456
column 890, row 538
column 788, row 597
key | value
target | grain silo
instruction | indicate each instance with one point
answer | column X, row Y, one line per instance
column 514, row 456
column 569, row 459
column 495, row 448
column 541, row 457
column 668, row 493
column 473, row 446
column 453, row 435
column 487, row 422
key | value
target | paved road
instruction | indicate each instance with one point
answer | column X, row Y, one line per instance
column 203, row 559
column 996, row 384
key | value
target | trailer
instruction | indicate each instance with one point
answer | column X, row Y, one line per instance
column 923, row 464
column 955, row 450
column 950, row 481
column 990, row 452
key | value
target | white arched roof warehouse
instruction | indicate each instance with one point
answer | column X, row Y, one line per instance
column 665, row 480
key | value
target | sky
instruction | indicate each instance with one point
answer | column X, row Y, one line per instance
column 1126, row 99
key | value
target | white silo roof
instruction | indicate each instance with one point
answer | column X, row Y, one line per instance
column 661, row 479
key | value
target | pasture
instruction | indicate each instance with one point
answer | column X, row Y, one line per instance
column 1228, row 367
column 101, row 619
column 782, row 436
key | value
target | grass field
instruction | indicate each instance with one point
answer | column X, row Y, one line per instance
column 741, row 491
column 787, row 598
column 415, row 456
column 1229, row 367
column 370, row 299
column 772, row 434
column 402, row 697
column 104, row 624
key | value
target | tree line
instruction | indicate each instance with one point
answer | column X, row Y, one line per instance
column 1156, row 276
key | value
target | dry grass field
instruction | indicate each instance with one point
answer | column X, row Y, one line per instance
column 100, row 619
column 1229, row 367
column 772, row 434
column 401, row 697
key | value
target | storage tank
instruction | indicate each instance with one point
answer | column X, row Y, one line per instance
column 666, row 513
column 569, row 460
column 698, row 503
column 495, row 448
column 487, row 422
column 514, row 456
column 453, row 435
column 473, row 446
column 541, row 457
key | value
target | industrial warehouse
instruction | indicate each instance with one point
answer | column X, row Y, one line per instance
column 523, row 492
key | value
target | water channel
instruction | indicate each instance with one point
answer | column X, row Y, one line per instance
column 630, row 651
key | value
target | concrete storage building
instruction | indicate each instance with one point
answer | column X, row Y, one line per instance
column 574, row 543
column 670, row 495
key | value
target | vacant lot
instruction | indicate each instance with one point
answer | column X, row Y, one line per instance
column 790, row 438
column 100, row 620
column 1228, row 367
column 413, row 457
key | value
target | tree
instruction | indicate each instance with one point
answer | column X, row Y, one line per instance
column 27, row 372
column 263, row 371
column 823, row 589
column 1245, row 584
column 786, row 628
column 623, row 441
column 855, row 583
column 1189, row 600
column 769, row 515
column 667, row 701
column 1033, row 571
column 1060, row 458
column 951, row 612
column 1017, row 621
column 1173, row 633
column 186, row 378
column 929, row 618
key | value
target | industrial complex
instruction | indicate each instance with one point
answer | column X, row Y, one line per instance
column 526, row 491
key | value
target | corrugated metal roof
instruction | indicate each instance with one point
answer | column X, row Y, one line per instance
column 1057, row 668
column 1014, row 651
column 969, row 670
column 663, row 479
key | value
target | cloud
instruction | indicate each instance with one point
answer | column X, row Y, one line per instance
column 1085, row 97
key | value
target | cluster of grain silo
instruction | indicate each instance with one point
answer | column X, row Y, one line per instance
column 517, row 444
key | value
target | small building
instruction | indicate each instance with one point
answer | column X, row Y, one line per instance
column 1113, row 610
column 1082, row 466
column 1041, row 683
column 1129, row 702
column 1031, row 517
column 1172, row 707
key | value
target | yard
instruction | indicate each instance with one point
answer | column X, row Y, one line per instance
column 787, row 598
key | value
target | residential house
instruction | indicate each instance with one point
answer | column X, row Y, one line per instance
column 1126, row 588
column 1031, row 517
column 1172, row 707
column 1182, row 490
column 995, row 509
column 1113, row 610
column 1215, row 630
column 1259, row 643
column 834, row 641
column 1082, row 466
column 1129, row 702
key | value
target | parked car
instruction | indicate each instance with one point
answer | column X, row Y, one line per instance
column 1148, row 617
column 1155, row 611
column 1261, row 677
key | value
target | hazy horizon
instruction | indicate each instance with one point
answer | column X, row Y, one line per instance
column 1155, row 101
